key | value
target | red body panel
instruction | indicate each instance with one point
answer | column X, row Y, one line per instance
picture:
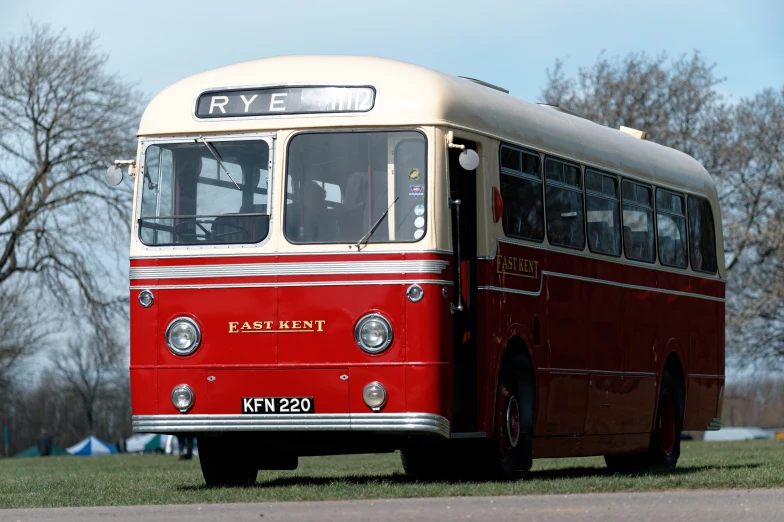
column 598, row 331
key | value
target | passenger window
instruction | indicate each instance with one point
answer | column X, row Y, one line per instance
column 671, row 229
column 521, row 190
column 603, row 213
column 638, row 235
column 702, row 236
column 564, row 198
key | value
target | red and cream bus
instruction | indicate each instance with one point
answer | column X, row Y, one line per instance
column 348, row 254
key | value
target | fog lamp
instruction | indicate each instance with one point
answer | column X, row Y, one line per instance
column 374, row 395
column 373, row 333
column 182, row 397
column 183, row 336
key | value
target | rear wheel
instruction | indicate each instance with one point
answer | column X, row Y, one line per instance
column 665, row 446
column 227, row 461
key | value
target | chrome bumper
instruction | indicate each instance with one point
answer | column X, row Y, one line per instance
column 375, row 422
column 715, row 424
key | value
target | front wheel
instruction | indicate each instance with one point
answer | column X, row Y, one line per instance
column 227, row 461
column 513, row 431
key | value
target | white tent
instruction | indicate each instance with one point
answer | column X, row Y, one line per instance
column 91, row 446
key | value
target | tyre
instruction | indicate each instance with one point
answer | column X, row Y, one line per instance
column 665, row 445
column 513, row 419
column 224, row 463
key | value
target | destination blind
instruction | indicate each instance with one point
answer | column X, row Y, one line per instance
column 284, row 100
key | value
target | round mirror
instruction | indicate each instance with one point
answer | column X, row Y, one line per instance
column 469, row 159
column 114, row 175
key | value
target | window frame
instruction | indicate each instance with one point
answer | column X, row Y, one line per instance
column 688, row 231
column 350, row 130
column 602, row 195
column 635, row 203
column 145, row 143
column 528, row 177
column 558, row 184
column 667, row 212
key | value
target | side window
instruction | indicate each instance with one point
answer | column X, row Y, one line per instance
column 702, row 244
column 671, row 228
column 521, row 190
column 603, row 213
column 638, row 235
column 564, row 198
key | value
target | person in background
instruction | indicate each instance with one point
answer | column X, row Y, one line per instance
column 185, row 442
column 44, row 443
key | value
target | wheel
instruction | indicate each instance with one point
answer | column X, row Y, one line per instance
column 224, row 463
column 513, row 419
column 665, row 445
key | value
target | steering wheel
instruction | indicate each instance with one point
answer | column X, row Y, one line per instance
column 195, row 233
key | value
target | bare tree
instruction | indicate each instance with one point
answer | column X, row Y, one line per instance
column 91, row 368
column 63, row 117
column 21, row 334
column 741, row 145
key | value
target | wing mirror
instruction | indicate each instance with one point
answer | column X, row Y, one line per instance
column 114, row 174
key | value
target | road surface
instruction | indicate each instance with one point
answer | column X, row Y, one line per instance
column 692, row 506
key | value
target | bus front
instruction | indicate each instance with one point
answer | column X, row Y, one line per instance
column 290, row 295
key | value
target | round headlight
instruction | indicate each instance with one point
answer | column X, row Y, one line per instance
column 183, row 336
column 373, row 333
column 374, row 395
column 182, row 397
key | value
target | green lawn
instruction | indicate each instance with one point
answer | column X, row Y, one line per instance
column 134, row 479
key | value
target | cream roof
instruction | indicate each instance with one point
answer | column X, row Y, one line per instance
column 409, row 95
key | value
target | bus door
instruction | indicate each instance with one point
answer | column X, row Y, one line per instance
column 462, row 194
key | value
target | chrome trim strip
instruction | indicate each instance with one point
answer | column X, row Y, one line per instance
column 298, row 284
column 633, row 287
column 715, row 424
column 378, row 422
column 601, row 257
column 469, row 435
column 365, row 252
column 289, row 269
column 600, row 281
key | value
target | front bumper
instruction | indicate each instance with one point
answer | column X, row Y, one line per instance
column 409, row 423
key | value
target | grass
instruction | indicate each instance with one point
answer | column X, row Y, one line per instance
column 153, row 479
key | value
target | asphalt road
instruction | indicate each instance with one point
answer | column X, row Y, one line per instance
column 692, row 506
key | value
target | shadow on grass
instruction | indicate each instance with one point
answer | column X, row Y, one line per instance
column 541, row 475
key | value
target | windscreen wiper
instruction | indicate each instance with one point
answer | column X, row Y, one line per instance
column 215, row 155
column 366, row 237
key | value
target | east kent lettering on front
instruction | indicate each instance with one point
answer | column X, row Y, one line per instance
column 284, row 100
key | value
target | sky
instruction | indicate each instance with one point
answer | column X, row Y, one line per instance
column 504, row 42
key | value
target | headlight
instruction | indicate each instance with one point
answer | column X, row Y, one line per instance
column 183, row 336
column 373, row 333
column 182, row 397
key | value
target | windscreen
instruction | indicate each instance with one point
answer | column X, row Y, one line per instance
column 205, row 192
column 347, row 187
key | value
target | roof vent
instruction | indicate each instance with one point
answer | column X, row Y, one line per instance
column 640, row 135
column 480, row 82
column 561, row 109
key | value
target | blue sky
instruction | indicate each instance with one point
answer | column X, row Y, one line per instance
column 509, row 43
